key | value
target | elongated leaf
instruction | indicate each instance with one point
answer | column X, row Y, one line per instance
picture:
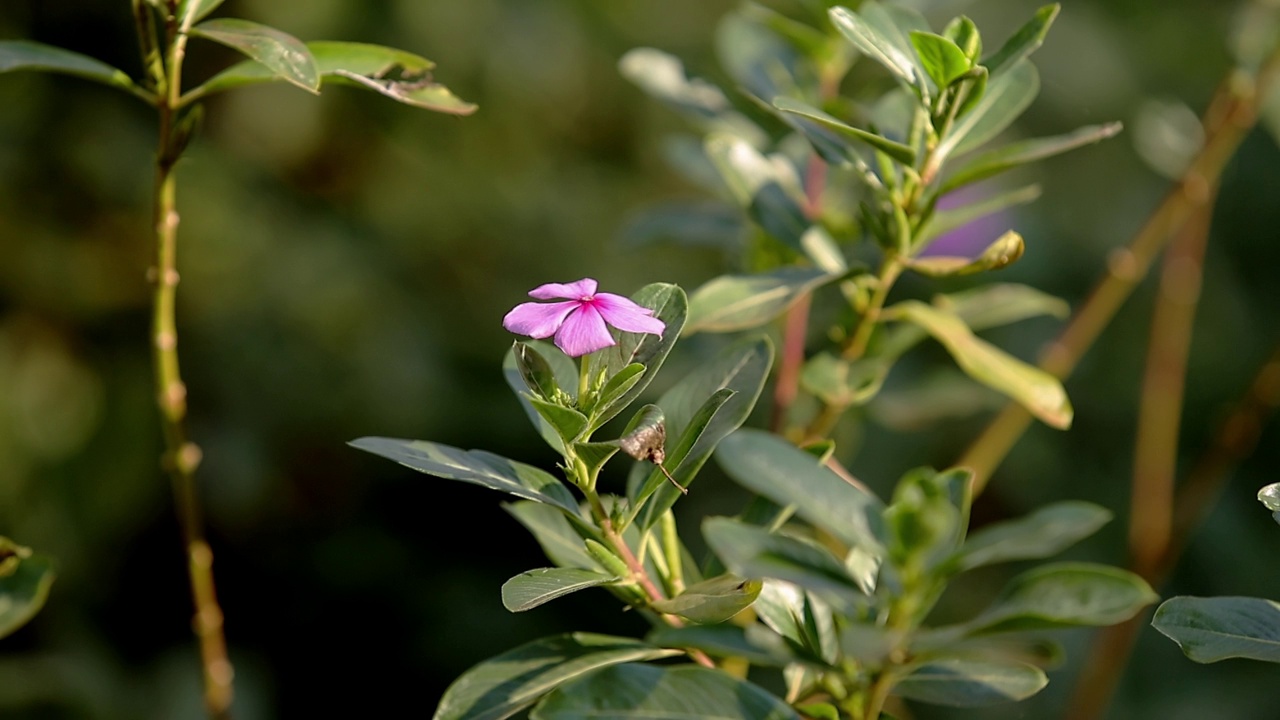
column 535, row 371
column 1038, row 391
column 399, row 75
column 670, row 305
column 504, row 685
column 944, row 221
column 778, row 470
column 1065, row 595
column 896, row 150
column 23, row 590
column 193, row 11
column 700, row 421
column 740, row 302
column 1005, row 98
column 994, row 162
column 873, row 43
column 648, row 692
column 1003, row 252
column 767, row 187
column 1045, row 532
column 971, row 683
column 474, row 466
column 754, row 552
column 1000, row 304
column 532, row 588
column 712, row 601
column 608, row 404
column 1217, row 628
column 283, row 54
column 26, row 55
column 655, row 497
column 1024, row 41
column 754, row 643
column 941, row 58
column 555, row 533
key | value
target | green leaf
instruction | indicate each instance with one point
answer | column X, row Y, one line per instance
column 971, row 683
column 872, row 42
column 1065, row 595
column 940, row 57
column 193, row 11
column 771, row 466
column 1023, row 42
column 965, row 35
column 27, row 55
column 754, row 552
column 696, row 223
column 700, row 416
column 662, row 76
column 1045, row 532
column 740, row 302
column 669, row 304
column 767, row 187
column 567, row 422
column 998, row 160
column 1217, row 628
column 821, row 711
column 283, row 54
column 555, row 533
column 944, row 221
column 504, row 685
column 896, row 150
column 755, row 643
column 712, row 601
column 532, row 588
column 1000, row 304
column 1038, row 391
column 648, row 692
column 843, row 383
column 473, row 466
column 535, row 371
column 23, row 589
column 564, row 373
column 1005, row 98
column 608, row 402
column 1270, row 497
column 399, row 75
column 1003, row 252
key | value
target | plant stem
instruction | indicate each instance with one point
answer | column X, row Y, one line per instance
column 181, row 456
column 1231, row 114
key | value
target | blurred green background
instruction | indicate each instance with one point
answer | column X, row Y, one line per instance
column 346, row 262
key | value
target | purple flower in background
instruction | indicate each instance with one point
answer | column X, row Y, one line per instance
column 580, row 323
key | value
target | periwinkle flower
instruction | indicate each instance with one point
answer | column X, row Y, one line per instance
column 580, row 323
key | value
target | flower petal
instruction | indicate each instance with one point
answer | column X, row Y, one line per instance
column 583, row 332
column 624, row 314
column 538, row 320
column 585, row 287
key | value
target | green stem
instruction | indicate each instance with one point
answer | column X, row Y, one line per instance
column 584, row 379
column 181, row 456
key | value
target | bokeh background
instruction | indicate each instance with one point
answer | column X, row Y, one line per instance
column 345, row 262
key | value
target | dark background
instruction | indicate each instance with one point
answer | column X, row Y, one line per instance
column 345, row 263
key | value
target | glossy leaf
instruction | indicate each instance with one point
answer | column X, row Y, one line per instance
column 994, row 162
column 473, row 466
column 567, row 422
column 944, row 221
column 754, row 643
column 1005, row 98
column 711, row 601
column 771, row 466
column 1038, row 391
column 701, row 420
column 754, row 552
column 940, row 57
column 504, row 685
column 1003, row 252
column 971, row 683
column 1023, row 42
column 767, row 187
column 896, row 150
column 532, row 588
column 555, row 533
column 24, row 587
column 563, row 371
column 399, row 75
column 535, row 371
column 26, row 55
column 740, row 302
column 1065, row 595
column 648, row 692
column 283, row 54
column 1045, row 532
column 669, row 304
column 1270, row 497
column 1217, row 628
column 872, row 42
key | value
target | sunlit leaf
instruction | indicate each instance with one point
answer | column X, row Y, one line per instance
column 1006, row 96
column 872, row 42
column 741, row 302
column 998, row 160
column 766, row 187
column 896, row 150
column 532, row 588
column 1270, row 497
column 711, row 601
column 1023, row 42
column 283, row 54
column 1003, row 252
column 941, row 58
column 971, row 683
column 669, row 304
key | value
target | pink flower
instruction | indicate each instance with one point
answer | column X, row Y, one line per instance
column 579, row 323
